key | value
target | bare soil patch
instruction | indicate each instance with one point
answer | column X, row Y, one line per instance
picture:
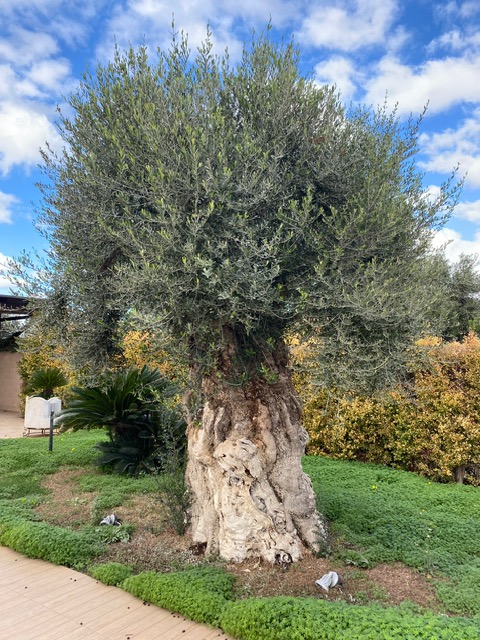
column 155, row 546
column 384, row 584
column 66, row 505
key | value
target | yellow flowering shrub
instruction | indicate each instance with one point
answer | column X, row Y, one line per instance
column 430, row 425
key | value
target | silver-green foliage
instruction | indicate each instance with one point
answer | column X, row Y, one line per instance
column 245, row 198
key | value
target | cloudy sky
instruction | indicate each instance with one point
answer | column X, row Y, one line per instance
column 414, row 51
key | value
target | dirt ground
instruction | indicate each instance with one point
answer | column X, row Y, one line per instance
column 155, row 546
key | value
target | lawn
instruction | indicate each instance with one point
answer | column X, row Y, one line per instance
column 408, row 550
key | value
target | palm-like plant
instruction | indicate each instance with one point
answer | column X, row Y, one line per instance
column 123, row 398
column 130, row 405
column 43, row 382
column 150, row 447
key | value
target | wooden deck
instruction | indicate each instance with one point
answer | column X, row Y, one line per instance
column 41, row 601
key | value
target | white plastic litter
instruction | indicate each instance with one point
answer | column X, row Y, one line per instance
column 111, row 520
column 330, row 579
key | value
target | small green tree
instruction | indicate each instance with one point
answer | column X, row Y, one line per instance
column 465, row 296
column 44, row 382
column 235, row 204
column 456, row 310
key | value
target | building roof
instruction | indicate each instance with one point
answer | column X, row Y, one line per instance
column 13, row 308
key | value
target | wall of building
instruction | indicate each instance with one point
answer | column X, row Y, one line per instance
column 9, row 381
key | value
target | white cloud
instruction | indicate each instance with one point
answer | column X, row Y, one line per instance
column 8, row 80
column 9, row 7
column 340, row 71
column 25, row 130
column 32, row 76
column 446, row 11
column 6, row 202
column 149, row 22
column 281, row 12
column 455, row 41
column 72, row 32
column 50, row 74
column 454, row 245
column 433, row 192
column 200, row 12
column 468, row 9
column 455, row 146
column 468, row 211
column 24, row 47
column 5, row 283
column 440, row 83
column 32, row 30
column 348, row 26
column 35, row 11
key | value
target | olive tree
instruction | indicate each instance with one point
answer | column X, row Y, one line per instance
column 237, row 204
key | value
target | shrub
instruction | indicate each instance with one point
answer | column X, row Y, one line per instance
column 199, row 593
column 110, row 573
column 43, row 382
column 175, row 497
column 130, row 405
column 39, row 350
column 141, row 348
column 284, row 618
column 431, row 425
column 55, row 544
column 110, row 534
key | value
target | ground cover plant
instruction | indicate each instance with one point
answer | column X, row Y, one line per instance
column 383, row 524
column 392, row 516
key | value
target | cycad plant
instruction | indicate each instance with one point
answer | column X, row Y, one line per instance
column 131, row 405
column 43, row 382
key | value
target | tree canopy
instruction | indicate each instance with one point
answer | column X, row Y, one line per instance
column 238, row 199
column 236, row 204
column 463, row 284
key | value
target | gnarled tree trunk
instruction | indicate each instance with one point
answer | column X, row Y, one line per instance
column 250, row 497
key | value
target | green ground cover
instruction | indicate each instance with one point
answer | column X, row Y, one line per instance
column 381, row 515
column 392, row 515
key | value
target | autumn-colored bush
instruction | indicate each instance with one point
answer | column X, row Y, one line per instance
column 139, row 348
column 40, row 351
column 430, row 424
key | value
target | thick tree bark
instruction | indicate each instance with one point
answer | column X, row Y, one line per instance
column 250, row 497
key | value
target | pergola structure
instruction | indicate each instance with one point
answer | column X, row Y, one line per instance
column 13, row 308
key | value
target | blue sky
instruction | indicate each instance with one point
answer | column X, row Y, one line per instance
column 413, row 51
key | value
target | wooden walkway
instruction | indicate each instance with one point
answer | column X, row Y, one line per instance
column 41, row 601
